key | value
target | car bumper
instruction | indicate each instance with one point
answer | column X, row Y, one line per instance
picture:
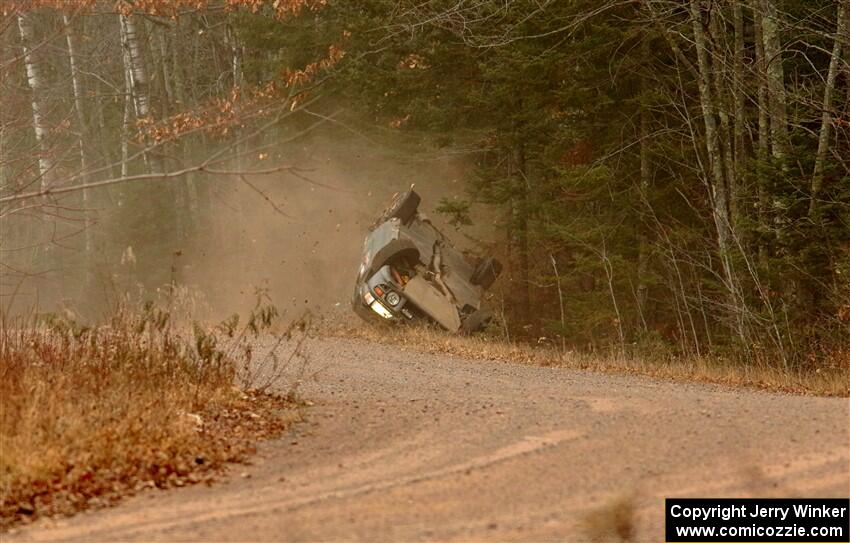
column 376, row 309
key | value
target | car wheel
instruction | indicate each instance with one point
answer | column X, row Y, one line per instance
column 476, row 321
column 486, row 272
column 404, row 206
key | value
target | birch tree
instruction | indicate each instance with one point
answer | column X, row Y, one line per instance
column 763, row 150
column 739, row 97
column 841, row 41
column 82, row 123
column 775, row 72
column 717, row 151
column 135, row 67
column 36, row 85
column 137, row 77
column 568, row 110
column 714, row 152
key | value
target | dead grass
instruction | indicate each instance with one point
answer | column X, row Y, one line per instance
column 827, row 381
column 88, row 416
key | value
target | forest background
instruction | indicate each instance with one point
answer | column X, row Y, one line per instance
column 657, row 175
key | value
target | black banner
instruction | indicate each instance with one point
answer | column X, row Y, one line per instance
column 757, row 520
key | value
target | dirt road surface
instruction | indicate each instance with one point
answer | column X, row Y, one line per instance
column 403, row 446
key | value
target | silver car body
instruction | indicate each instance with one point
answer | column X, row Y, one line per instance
column 440, row 287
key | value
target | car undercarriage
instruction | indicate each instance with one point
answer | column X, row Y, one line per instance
column 411, row 271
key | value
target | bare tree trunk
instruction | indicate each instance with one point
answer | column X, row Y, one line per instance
column 136, row 67
column 5, row 53
column 176, row 72
column 826, row 115
column 712, row 138
column 739, row 100
column 180, row 189
column 176, row 66
column 722, row 100
column 105, row 151
column 520, row 231
column 235, row 56
column 54, row 289
column 125, row 138
column 643, row 244
column 775, row 79
column 138, row 78
column 196, row 52
column 763, row 137
column 82, row 125
column 609, row 275
column 5, row 180
column 36, row 84
column 720, row 194
column 128, row 101
column 77, row 87
column 164, row 62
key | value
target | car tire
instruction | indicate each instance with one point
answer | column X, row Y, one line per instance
column 486, row 272
column 476, row 321
column 404, row 206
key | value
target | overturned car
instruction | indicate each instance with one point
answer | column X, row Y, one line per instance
column 411, row 271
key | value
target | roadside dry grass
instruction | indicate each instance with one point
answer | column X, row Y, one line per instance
column 88, row 416
column 833, row 379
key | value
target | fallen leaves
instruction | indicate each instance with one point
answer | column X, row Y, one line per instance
column 89, row 416
column 229, row 435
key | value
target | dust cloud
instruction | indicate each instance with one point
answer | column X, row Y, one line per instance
column 297, row 237
column 301, row 239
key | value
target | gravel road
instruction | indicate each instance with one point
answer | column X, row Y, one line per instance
column 404, row 446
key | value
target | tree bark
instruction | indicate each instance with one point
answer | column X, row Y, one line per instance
column 165, row 65
column 136, row 67
column 5, row 180
column 176, row 66
column 6, row 51
column 712, row 138
column 720, row 193
column 841, row 34
column 235, row 55
column 739, row 103
column 763, row 151
column 642, row 294
column 520, row 230
column 82, row 124
column 775, row 79
column 36, row 85
column 137, row 77
column 722, row 101
column 128, row 104
column 643, row 243
column 54, row 289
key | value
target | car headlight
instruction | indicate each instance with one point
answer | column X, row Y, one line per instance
column 379, row 308
column 393, row 298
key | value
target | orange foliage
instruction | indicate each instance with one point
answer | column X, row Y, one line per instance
column 220, row 115
column 306, row 75
column 281, row 7
column 217, row 117
column 171, row 8
column 10, row 7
